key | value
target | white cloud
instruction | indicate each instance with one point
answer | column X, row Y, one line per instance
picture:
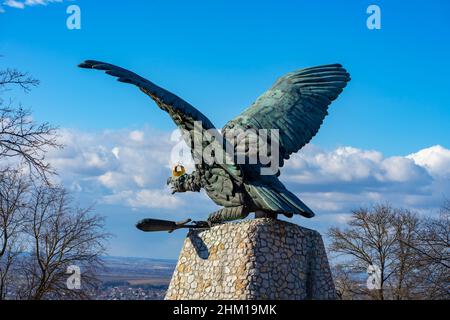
column 435, row 159
column 337, row 181
column 146, row 198
column 114, row 162
column 14, row 4
column 40, row 2
column 347, row 164
column 22, row 4
column 130, row 168
column 137, row 135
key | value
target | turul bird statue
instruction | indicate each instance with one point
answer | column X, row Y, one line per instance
column 295, row 106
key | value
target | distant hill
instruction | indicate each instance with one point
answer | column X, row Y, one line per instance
column 137, row 271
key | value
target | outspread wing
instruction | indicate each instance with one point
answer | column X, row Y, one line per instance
column 296, row 105
column 185, row 116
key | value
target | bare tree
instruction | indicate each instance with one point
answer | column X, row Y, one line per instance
column 404, row 279
column 41, row 232
column 347, row 285
column 370, row 241
column 60, row 236
column 13, row 189
column 435, row 238
column 432, row 252
column 22, row 140
column 411, row 253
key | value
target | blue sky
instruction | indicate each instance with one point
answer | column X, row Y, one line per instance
column 219, row 56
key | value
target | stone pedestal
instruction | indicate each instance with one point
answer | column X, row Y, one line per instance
column 252, row 259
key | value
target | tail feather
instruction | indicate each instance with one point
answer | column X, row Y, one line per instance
column 282, row 201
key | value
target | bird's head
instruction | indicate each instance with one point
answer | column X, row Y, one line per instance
column 178, row 171
column 176, row 181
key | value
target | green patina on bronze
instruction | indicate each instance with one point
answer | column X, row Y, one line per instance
column 296, row 105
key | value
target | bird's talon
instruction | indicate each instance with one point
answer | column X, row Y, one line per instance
column 202, row 224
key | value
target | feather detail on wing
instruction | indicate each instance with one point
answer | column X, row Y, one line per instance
column 296, row 105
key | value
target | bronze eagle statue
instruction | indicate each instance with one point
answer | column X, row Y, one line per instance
column 295, row 106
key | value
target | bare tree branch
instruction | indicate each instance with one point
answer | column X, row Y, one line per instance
column 412, row 254
column 13, row 189
column 13, row 77
column 41, row 231
column 22, row 140
column 61, row 236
